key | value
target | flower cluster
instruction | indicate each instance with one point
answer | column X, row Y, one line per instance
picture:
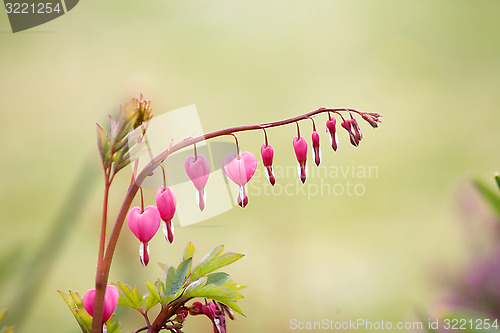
column 240, row 168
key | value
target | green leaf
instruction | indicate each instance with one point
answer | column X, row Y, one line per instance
column 77, row 313
column 233, row 285
column 176, row 278
column 129, row 297
column 492, row 197
column 189, row 251
column 104, row 145
column 153, row 297
column 206, row 290
column 213, row 261
column 218, row 278
column 112, row 325
column 497, row 178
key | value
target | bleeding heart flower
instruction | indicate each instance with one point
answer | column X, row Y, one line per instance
column 316, row 151
column 110, row 301
column 166, row 202
column 330, row 125
column 267, row 153
column 300, row 147
column 356, row 129
column 240, row 170
column 198, row 170
column 144, row 226
column 347, row 123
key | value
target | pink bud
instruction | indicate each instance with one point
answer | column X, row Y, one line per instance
column 371, row 120
column 300, row 147
column 316, row 150
column 144, row 226
column 330, row 125
column 267, row 153
column 166, row 202
column 198, row 170
column 110, row 301
column 240, row 170
column 356, row 129
column 347, row 125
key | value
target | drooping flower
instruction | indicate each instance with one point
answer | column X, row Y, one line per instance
column 371, row 118
column 240, row 170
column 144, row 225
column 347, row 123
column 300, row 147
column 110, row 301
column 267, row 153
column 356, row 129
column 331, row 126
column 198, row 170
column 166, row 202
column 316, row 150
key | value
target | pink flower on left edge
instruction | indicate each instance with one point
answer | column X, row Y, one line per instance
column 110, row 301
column 166, row 202
column 240, row 170
column 198, row 170
column 144, row 226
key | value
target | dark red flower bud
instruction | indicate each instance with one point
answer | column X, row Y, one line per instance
column 331, row 126
column 316, row 150
column 267, row 153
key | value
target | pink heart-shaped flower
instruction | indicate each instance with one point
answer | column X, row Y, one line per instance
column 197, row 170
column 110, row 301
column 144, row 225
column 240, row 169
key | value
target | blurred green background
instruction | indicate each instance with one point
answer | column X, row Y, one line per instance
column 431, row 68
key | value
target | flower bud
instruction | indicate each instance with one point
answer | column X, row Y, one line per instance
column 347, row 125
column 316, row 151
column 356, row 130
column 300, row 147
column 166, row 202
column 331, row 126
column 144, row 226
column 267, row 153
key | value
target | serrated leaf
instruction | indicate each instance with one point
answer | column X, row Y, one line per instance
column 132, row 294
column 213, row 261
column 218, row 278
column 231, row 304
column 492, row 197
column 188, row 251
column 176, row 278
